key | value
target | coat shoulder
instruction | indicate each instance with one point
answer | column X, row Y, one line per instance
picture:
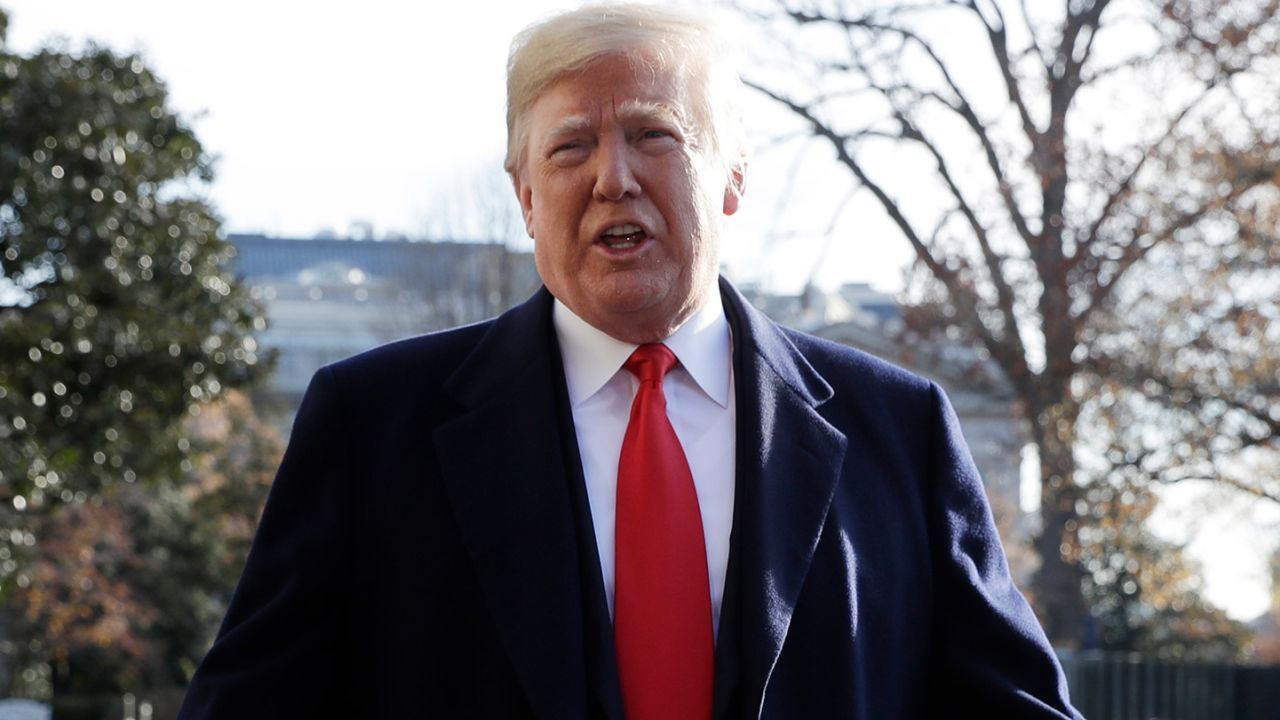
column 434, row 355
column 850, row 370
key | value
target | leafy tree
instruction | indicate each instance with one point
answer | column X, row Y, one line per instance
column 118, row 310
column 1038, row 159
column 126, row 590
column 120, row 321
column 195, row 533
column 79, row 606
column 1146, row 597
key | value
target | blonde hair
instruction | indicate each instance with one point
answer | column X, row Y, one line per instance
column 654, row 38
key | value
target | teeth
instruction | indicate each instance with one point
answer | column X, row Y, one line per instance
column 627, row 229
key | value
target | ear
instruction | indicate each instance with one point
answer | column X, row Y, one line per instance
column 524, row 193
column 736, row 186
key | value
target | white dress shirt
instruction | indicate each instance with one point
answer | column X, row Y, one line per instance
column 700, row 405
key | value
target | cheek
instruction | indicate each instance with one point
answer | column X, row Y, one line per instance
column 705, row 193
column 548, row 265
column 684, row 198
column 553, row 242
column 559, row 201
column 700, row 186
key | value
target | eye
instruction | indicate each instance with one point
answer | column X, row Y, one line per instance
column 567, row 153
column 656, row 140
column 657, row 134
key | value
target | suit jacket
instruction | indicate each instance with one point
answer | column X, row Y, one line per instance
column 426, row 550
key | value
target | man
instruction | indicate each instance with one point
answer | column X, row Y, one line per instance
column 632, row 496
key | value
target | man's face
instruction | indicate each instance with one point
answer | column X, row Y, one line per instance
column 624, row 212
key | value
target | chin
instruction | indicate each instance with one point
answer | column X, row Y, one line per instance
column 628, row 292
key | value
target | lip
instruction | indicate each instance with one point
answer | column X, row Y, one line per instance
column 615, row 222
column 618, row 252
column 623, row 253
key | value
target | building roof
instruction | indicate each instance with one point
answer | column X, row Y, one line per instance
column 409, row 263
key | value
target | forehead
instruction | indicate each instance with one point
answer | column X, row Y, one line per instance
column 613, row 85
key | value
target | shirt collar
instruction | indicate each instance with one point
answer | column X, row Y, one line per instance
column 591, row 357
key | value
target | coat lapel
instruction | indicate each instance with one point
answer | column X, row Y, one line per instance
column 512, row 500
column 789, row 461
column 507, row 481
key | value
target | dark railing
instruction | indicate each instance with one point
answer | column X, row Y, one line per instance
column 1119, row 686
column 1104, row 686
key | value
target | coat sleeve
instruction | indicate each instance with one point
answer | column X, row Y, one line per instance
column 282, row 646
column 990, row 655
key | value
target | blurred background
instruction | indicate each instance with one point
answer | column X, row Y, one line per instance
column 1066, row 212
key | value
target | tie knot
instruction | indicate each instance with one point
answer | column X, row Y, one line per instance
column 651, row 362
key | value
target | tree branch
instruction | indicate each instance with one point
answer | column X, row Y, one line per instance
column 1072, row 61
column 961, row 290
column 1254, row 490
column 961, row 106
column 1000, row 48
column 1035, row 40
column 1127, row 64
column 1135, row 251
column 1126, row 185
column 1195, row 401
column 1004, row 293
column 1003, row 186
column 837, row 141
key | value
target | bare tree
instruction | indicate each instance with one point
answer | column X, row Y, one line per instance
column 1187, row 386
column 479, row 205
column 1042, row 159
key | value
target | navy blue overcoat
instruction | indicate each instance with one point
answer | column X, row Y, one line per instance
column 426, row 549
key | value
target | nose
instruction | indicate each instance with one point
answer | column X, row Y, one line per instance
column 615, row 176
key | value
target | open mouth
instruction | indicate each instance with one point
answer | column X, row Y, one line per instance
column 623, row 237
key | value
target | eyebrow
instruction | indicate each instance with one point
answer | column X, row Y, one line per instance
column 570, row 126
column 628, row 111
column 648, row 110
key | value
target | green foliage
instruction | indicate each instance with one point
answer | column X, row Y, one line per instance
column 195, row 534
column 117, row 308
column 127, row 590
column 121, row 327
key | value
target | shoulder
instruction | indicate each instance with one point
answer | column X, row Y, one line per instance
column 847, row 375
column 872, row 397
column 434, row 371
column 849, row 369
column 435, row 357
column 388, row 383
column 432, row 356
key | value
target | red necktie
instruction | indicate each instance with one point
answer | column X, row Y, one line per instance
column 662, row 606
